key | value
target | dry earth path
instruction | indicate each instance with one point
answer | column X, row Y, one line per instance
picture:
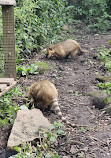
column 74, row 79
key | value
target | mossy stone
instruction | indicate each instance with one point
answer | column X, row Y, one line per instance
column 104, row 78
column 99, row 98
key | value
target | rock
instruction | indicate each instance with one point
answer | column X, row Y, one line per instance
column 104, row 78
column 26, row 127
column 99, row 98
column 93, row 88
column 61, row 68
column 108, row 109
column 96, row 36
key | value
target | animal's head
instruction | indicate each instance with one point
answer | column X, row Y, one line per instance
column 50, row 52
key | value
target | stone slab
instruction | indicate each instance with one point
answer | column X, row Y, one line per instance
column 2, row 87
column 26, row 126
column 7, row 81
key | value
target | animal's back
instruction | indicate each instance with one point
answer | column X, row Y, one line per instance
column 65, row 47
column 47, row 90
column 69, row 45
column 43, row 91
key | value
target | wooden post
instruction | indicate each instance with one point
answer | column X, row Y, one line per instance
column 9, row 41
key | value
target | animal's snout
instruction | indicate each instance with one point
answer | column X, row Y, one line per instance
column 47, row 55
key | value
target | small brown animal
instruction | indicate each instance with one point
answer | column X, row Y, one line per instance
column 45, row 95
column 64, row 49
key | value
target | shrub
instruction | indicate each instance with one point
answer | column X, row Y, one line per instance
column 93, row 13
column 7, row 111
column 38, row 21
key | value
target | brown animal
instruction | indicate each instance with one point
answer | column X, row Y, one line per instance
column 64, row 49
column 45, row 95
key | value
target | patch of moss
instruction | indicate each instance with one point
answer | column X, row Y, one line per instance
column 42, row 67
column 104, row 78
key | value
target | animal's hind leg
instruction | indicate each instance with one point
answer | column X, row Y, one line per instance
column 74, row 53
column 67, row 56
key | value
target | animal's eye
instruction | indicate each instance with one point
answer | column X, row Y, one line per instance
column 50, row 48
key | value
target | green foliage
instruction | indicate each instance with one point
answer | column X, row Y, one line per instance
column 105, row 55
column 42, row 67
column 7, row 111
column 23, row 70
column 44, row 148
column 93, row 13
column 107, row 88
column 109, row 6
column 38, row 21
column 33, row 69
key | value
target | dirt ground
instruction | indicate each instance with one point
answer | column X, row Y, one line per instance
column 74, row 79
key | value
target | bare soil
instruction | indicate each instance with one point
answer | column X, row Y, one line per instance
column 74, row 79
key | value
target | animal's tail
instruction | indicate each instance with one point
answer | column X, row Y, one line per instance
column 83, row 50
column 56, row 108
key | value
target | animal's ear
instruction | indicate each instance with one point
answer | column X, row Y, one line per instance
column 50, row 48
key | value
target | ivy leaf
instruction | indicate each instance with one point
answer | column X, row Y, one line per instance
column 60, row 131
column 17, row 149
column 52, row 139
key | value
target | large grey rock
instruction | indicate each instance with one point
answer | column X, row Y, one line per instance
column 99, row 98
column 26, row 127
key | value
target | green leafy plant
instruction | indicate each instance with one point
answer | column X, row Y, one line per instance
column 89, row 12
column 107, row 88
column 23, row 70
column 105, row 56
column 44, row 147
column 46, row 20
column 7, row 110
column 33, row 69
